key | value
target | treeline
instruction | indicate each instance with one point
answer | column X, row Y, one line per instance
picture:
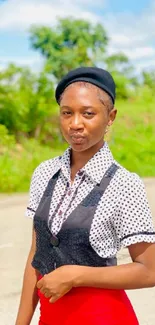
column 29, row 125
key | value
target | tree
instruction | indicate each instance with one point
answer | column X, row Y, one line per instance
column 26, row 101
column 123, row 73
column 71, row 43
column 149, row 79
column 117, row 62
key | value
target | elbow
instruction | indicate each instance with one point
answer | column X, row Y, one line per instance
column 150, row 280
column 146, row 276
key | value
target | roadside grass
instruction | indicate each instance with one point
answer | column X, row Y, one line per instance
column 131, row 139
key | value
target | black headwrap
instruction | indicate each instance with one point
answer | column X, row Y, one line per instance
column 93, row 75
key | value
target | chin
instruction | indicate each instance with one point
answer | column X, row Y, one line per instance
column 85, row 147
column 79, row 147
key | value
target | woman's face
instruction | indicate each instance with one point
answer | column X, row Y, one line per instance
column 83, row 117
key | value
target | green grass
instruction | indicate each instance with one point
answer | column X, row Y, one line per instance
column 17, row 166
column 131, row 139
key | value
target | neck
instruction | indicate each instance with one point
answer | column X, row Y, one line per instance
column 79, row 159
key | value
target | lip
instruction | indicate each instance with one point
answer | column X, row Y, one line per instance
column 77, row 139
column 76, row 135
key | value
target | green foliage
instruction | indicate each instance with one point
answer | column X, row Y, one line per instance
column 149, row 80
column 132, row 139
column 6, row 141
column 73, row 43
column 29, row 123
column 117, row 60
column 70, row 44
column 18, row 164
column 26, row 101
column 123, row 73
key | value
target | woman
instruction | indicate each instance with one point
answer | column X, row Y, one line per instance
column 85, row 208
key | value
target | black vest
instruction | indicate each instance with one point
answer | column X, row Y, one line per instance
column 71, row 245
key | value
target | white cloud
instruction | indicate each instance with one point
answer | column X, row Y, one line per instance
column 141, row 52
column 136, row 54
column 21, row 14
column 34, row 62
column 145, row 65
column 130, row 30
column 129, row 38
column 89, row 2
column 134, row 35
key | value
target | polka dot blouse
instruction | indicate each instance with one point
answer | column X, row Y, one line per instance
column 122, row 216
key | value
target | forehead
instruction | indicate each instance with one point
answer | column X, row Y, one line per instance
column 83, row 84
column 81, row 89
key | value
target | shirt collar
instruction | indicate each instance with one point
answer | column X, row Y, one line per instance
column 65, row 163
column 95, row 167
column 99, row 163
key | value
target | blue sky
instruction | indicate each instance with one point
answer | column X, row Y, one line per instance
column 130, row 26
column 126, row 6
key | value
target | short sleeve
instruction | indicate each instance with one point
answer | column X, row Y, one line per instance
column 134, row 223
column 33, row 195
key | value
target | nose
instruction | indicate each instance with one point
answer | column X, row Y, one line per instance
column 76, row 122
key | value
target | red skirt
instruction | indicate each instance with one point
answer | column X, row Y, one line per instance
column 88, row 306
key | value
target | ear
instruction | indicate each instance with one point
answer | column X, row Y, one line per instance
column 112, row 116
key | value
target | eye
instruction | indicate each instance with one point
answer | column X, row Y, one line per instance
column 88, row 114
column 67, row 113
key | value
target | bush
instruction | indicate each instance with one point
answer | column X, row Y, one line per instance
column 6, row 141
column 17, row 164
column 132, row 139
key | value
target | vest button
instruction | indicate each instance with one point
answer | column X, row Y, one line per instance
column 54, row 241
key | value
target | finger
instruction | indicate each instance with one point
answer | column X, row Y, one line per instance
column 39, row 284
column 54, row 298
column 43, row 290
column 47, row 295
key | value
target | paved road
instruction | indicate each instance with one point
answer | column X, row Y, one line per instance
column 15, row 238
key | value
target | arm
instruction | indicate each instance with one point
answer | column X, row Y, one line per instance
column 134, row 229
column 29, row 298
column 139, row 274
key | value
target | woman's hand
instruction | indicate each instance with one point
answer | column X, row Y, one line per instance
column 57, row 283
